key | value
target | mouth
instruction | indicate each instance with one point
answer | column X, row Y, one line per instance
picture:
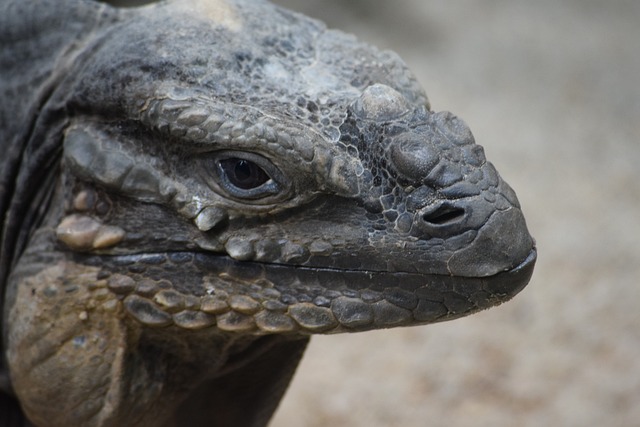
column 429, row 298
column 271, row 298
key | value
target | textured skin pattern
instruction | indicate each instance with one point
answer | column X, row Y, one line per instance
column 192, row 188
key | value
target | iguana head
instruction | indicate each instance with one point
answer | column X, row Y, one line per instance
column 230, row 168
column 293, row 166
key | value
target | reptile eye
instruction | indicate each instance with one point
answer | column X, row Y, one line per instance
column 244, row 174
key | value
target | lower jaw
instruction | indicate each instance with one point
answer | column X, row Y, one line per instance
column 197, row 291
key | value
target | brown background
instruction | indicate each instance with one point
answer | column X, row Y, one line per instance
column 552, row 91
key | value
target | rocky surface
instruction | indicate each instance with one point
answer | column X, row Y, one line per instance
column 552, row 91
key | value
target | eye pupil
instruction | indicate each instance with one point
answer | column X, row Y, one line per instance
column 243, row 170
column 244, row 174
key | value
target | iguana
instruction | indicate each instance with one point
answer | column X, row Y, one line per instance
column 190, row 189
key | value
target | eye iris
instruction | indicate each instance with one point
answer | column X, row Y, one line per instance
column 244, row 174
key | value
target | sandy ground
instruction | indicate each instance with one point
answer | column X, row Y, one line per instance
column 552, row 91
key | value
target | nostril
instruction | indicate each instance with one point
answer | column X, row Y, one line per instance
column 443, row 219
column 444, row 215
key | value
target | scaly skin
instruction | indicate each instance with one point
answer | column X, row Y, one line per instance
column 191, row 189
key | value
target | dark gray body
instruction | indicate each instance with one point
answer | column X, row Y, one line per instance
column 190, row 189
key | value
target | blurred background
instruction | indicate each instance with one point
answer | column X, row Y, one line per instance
column 552, row 91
